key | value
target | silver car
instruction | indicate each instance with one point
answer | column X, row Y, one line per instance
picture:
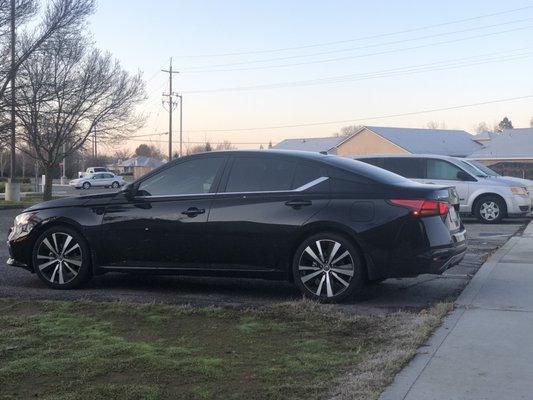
column 100, row 179
column 488, row 199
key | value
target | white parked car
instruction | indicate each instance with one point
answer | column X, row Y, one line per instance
column 99, row 179
column 489, row 199
column 528, row 184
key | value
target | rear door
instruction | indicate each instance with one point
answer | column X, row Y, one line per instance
column 263, row 202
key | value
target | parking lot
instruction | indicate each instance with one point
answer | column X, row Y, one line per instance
column 409, row 293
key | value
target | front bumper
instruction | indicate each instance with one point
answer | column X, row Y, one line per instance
column 518, row 205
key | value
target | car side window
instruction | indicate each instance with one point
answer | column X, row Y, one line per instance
column 440, row 169
column 260, row 175
column 189, row 177
column 307, row 172
column 405, row 166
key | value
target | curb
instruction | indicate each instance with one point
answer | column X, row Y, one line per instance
column 13, row 207
column 407, row 377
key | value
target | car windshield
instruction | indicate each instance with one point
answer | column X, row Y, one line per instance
column 472, row 169
column 482, row 167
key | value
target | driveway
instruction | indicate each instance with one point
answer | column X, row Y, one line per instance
column 412, row 293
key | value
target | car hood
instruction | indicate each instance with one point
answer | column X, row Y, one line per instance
column 514, row 181
column 77, row 201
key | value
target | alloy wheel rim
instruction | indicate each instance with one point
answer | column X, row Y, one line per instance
column 490, row 211
column 326, row 268
column 59, row 258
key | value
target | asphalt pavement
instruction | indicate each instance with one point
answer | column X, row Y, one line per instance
column 411, row 293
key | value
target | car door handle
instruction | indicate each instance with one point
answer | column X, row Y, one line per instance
column 298, row 203
column 193, row 212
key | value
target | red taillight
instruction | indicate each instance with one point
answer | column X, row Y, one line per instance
column 421, row 207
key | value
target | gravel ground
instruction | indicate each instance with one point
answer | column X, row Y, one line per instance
column 411, row 293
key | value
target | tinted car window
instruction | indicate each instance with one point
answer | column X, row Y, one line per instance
column 190, row 177
column 307, row 172
column 260, row 174
column 368, row 171
column 440, row 169
column 405, row 166
column 378, row 162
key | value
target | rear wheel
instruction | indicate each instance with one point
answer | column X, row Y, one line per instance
column 490, row 209
column 61, row 258
column 328, row 268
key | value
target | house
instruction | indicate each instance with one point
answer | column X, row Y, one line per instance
column 137, row 166
column 509, row 153
column 381, row 140
column 484, row 137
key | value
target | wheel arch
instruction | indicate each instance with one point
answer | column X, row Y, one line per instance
column 339, row 229
column 54, row 222
column 489, row 194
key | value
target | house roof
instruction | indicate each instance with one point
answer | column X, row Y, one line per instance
column 310, row 144
column 444, row 142
column 510, row 144
column 141, row 161
column 485, row 136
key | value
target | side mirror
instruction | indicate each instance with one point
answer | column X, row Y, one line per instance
column 463, row 176
column 129, row 191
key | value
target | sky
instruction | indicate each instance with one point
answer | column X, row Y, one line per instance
column 321, row 65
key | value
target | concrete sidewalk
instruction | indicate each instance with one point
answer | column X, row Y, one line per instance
column 484, row 350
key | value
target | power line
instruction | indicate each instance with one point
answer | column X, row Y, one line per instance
column 363, row 55
column 427, row 111
column 499, row 24
column 407, row 70
column 200, row 142
column 458, row 21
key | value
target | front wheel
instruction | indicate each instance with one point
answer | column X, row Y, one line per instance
column 328, row 268
column 490, row 210
column 115, row 185
column 61, row 258
column 86, row 185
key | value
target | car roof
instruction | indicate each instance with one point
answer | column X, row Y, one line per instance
column 384, row 155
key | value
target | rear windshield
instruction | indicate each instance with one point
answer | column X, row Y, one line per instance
column 369, row 171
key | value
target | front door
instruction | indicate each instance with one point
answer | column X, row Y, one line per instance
column 254, row 218
column 444, row 173
column 164, row 225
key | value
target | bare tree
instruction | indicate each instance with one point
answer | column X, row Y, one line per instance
column 348, row 130
column 69, row 92
column 436, row 125
column 63, row 17
column 225, row 145
column 482, row 127
column 121, row 155
column 149, row 150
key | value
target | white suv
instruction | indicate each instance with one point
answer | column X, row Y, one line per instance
column 489, row 199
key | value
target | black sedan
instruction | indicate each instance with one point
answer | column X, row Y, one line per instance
column 326, row 223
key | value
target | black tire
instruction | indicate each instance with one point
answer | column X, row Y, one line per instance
column 86, row 185
column 60, row 262
column 325, row 278
column 490, row 209
column 115, row 185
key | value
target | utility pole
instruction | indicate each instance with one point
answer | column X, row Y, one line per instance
column 180, row 97
column 171, row 106
column 12, row 187
column 95, row 153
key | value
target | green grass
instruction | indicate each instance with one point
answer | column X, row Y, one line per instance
column 296, row 350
